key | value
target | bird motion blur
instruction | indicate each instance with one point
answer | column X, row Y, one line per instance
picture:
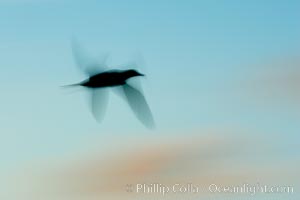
column 100, row 77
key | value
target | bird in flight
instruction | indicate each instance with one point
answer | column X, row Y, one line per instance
column 100, row 78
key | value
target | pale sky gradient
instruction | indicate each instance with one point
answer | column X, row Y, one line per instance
column 197, row 53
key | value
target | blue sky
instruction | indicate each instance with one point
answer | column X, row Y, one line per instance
column 195, row 54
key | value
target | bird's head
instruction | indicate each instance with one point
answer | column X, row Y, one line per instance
column 132, row 73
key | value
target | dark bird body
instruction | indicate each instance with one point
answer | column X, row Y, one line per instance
column 109, row 78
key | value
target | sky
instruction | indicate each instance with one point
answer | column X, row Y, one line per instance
column 197, row 56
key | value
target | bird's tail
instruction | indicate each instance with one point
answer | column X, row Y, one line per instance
column 72, row 85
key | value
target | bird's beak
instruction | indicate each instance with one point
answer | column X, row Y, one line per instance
column 141, row 74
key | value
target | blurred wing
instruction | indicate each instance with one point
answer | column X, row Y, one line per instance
column 119, row 91
column 139, row 106
column 99, row 101
column 86, row 63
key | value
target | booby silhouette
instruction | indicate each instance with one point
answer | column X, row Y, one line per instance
column 100, row 78
column 109, row 78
